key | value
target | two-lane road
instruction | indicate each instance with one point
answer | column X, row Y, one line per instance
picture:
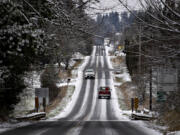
column 88, row 115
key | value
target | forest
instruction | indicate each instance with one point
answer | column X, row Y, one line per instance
column 35, row 33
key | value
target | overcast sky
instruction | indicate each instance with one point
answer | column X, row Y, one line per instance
column 106, row 6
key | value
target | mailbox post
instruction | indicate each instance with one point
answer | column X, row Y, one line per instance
column 42, row 97
column 132, row 104
column 136, row 103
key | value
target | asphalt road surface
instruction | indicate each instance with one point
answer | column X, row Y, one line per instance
column 89, row 115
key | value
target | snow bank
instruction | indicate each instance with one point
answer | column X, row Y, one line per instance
column 74, row 98
column 142, row 125
column 174, row 133
column 125, row 76
column 65, row 84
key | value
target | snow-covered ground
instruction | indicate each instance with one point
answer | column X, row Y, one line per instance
column 125, row 78
column 32, row 80
column 71, row 98
column 68, row 102
column 71, row 102
column 27, row 103
column 12, row 125
column 62, row 104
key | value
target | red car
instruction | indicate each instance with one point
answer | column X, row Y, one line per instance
column 104, row 92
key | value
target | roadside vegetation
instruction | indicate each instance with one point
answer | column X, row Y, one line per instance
column 151, row 41
column 38, row 33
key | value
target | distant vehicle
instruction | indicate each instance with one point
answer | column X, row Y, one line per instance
column 116, row 53
column 104, row 92
column 89, row 74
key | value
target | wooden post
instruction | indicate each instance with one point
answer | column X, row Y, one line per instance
column 150, row 90
column 132, row 104
column 136, row 103
column 36, row 104
column 44, row 104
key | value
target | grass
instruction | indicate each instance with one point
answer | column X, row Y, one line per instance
column 59, row 103
column 118, row 60
column 117, row 79
column 65, row 74
column 56, row 101
column 172, row 119
column 127, row 93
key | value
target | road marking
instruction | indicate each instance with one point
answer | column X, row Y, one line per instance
column 93, row 56
column 76, row 129
column 84, row 106
column 97, row 62
column 103, row 114
column 94, row 100
column 102, row 62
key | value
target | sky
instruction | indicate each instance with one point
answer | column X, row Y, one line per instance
column 106, row 6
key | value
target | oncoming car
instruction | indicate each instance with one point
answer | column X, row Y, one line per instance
column 89, row 74
column 104, row 92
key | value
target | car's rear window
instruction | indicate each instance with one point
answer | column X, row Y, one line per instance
column 104, row 88
column 89, row 70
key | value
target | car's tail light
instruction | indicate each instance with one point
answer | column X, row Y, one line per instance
column 101, row 92
column 107, row 92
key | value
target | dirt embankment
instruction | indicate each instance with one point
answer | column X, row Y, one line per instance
column 125, row 88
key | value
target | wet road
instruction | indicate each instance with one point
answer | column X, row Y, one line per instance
column 89, row 115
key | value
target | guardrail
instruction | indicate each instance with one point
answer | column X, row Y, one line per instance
column 136, row 116
column 33, row 116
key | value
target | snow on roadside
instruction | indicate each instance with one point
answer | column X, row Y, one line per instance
column 120, row 113
column 74, row 97
column 5, row 126
column 70, row 100
column 142, row 125
column 174, row 133
column 32, row 80
column 62, row 104
column 65, row 84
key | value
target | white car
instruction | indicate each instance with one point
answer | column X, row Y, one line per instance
column 89, row 74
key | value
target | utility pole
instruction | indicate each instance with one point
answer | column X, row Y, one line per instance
column 150, row 89
column 140, row 49
column 139, row 65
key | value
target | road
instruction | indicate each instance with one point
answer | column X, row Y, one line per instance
column 89, row 115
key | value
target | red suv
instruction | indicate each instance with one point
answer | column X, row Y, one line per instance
column 104, row 92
